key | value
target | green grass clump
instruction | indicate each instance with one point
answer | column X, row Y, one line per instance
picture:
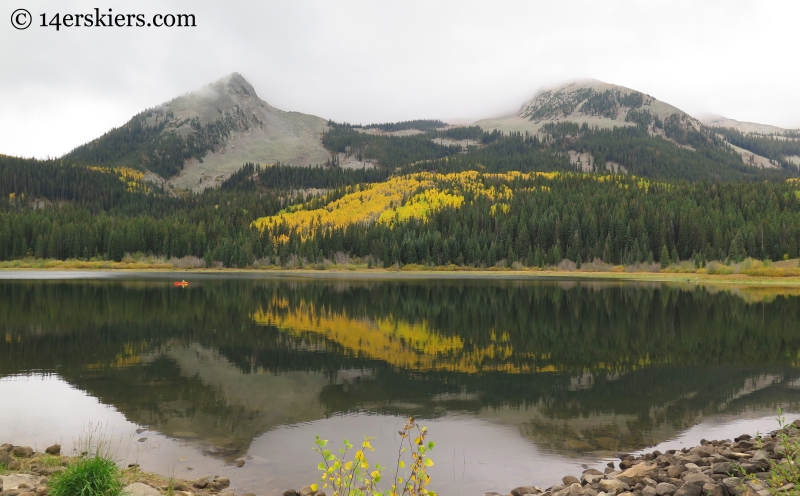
column 95, row 476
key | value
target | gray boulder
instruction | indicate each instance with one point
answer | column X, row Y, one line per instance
column 665, row 489
column 734, row 486
column 689, row 490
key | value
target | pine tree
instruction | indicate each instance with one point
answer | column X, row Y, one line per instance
column 665, row 261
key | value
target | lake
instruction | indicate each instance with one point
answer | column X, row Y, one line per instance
column 519, row 381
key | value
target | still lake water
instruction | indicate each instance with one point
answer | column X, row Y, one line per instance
column 519, row 382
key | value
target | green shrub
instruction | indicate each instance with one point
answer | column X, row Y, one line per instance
column 354, row 477
column 95, row 476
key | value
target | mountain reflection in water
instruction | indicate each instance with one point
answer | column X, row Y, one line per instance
column 577, row 368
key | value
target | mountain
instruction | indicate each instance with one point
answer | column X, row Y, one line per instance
column 586, row 100
column 197, row 140
column 605, row 106
column 759, row 144
column 713, row 120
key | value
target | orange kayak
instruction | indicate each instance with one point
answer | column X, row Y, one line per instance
column 182, row 284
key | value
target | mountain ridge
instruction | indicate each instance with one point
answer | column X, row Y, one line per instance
column 198, row 139
column 588, row 100
column 201, row 138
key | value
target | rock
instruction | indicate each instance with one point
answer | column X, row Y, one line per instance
column 713, row 489
column 22, row 451
column 675, row 471
column 691, row 467
column 54, row 450
column 702, row 451
column 27, row 493
column 218, row 450
column 6, row 447
column 223, row 482
column 689, row 490
column 14, row 481
column 649, row 491
column 722, row 468
column 484, row 494
column 240, row 463
column 181, row 486
column 307, row 491
column 640, row 470
column 523, row 490
column 756, row 488
column 749, row 468
column 574, row 489
column 249, row 494
column 613, row 486
column 227, row 493
column 591, row 478
column 696, row 478
column 569, row 480
column 692, row 459
column 201, row 483
column 665, row 489
column 290, row 492
column 734, row 486
column 46, row 471
column 5, row 458
column 139, row 489
column 760, row 459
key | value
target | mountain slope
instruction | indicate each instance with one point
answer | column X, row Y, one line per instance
column 586, row 100
column 743, row 127
column 197, row 140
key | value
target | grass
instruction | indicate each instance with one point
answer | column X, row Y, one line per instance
column 98, row 475
column 49, row 461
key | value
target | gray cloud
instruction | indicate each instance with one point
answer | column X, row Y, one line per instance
column 367, row 61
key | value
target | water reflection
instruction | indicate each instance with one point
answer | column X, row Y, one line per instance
column 572, row 369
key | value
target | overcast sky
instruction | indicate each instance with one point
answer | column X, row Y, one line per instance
column 391, row 60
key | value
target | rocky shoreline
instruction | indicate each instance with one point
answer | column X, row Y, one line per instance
column 28, row 472
column 740, row 467
column 715, row 468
